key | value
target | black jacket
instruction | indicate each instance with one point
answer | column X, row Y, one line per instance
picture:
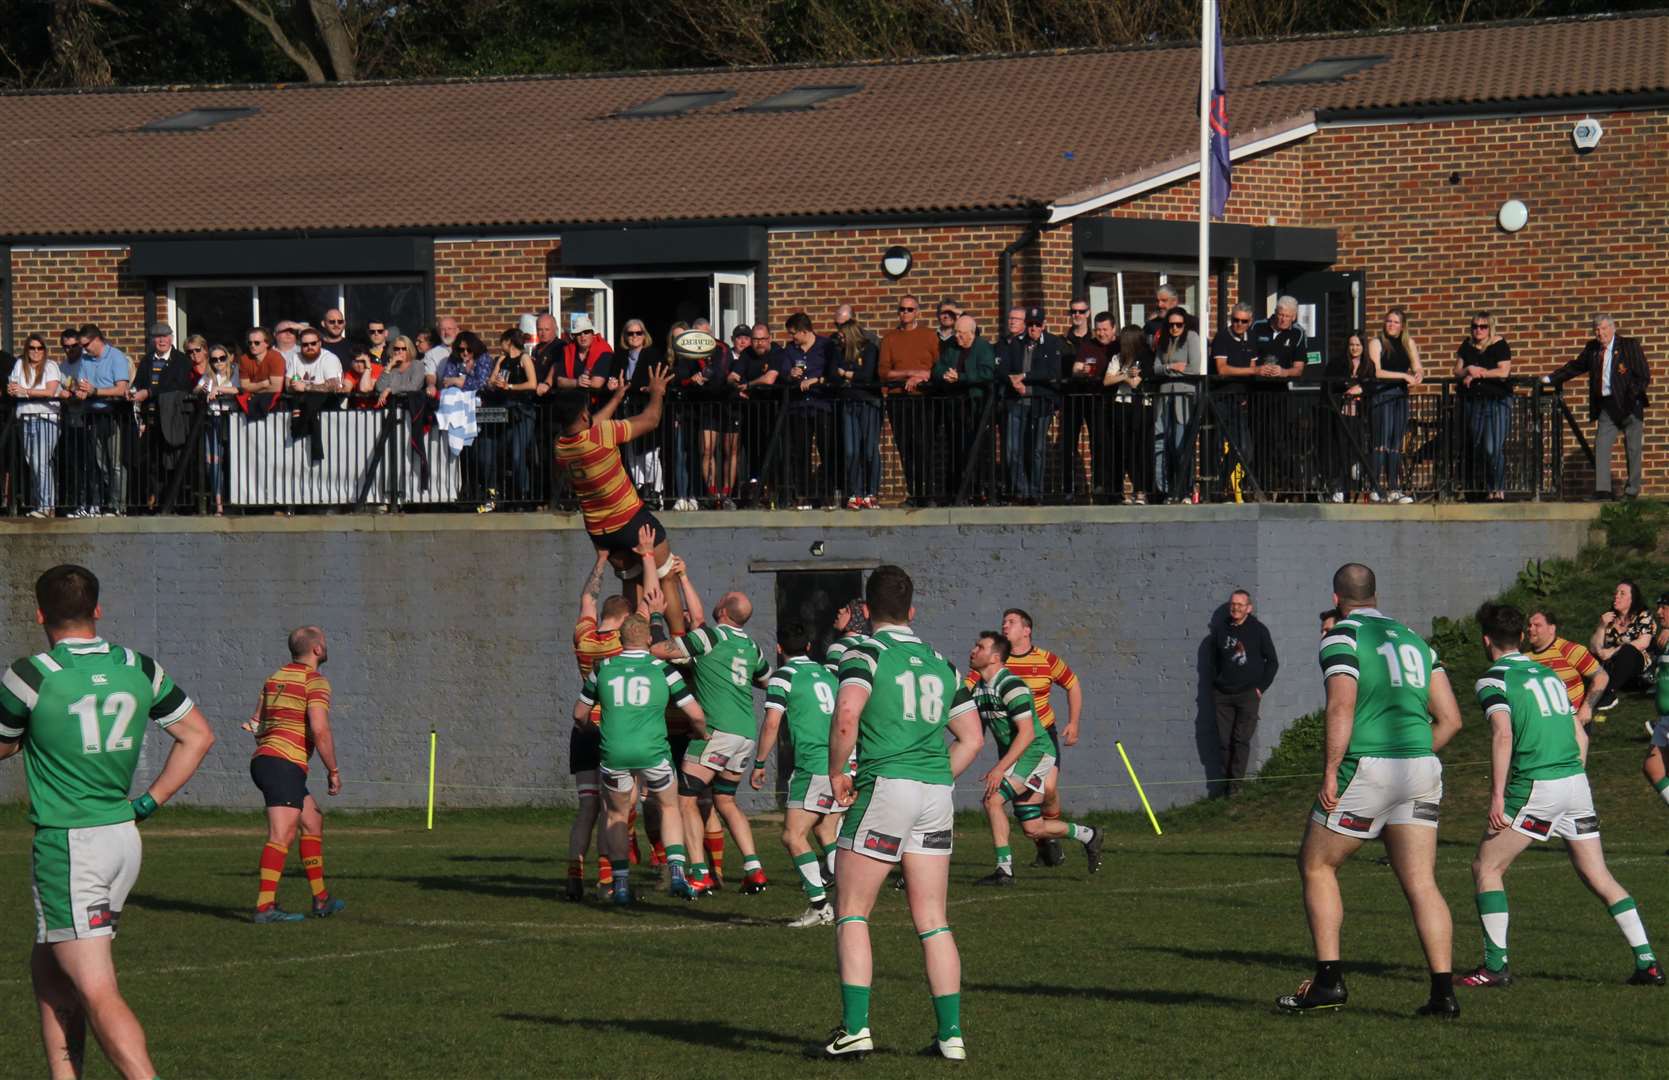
column 1630, row 376
column 174, row 373
column 1242, row 657
column 1050, row 361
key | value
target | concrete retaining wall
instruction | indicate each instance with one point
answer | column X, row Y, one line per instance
column 465, row 623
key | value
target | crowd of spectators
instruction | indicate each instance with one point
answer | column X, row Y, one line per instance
column 1097, row 413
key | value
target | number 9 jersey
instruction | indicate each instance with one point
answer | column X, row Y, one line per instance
column 911, row 688
column 1392, row 667
column 81, row 711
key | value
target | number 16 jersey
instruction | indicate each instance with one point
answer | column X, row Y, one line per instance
column 1392, row 667
column 901, row 732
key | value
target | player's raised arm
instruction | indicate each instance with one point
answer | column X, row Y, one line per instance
column 591, row 590
column 192, row 739
column 650, row 418
column 1445, row 711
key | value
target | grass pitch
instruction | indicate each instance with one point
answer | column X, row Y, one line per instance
column 456, row 958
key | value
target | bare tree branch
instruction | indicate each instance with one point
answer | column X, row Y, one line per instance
column 299, row 53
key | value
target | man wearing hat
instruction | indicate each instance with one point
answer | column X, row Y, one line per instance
column 587, row 359
column 163, row 369
column 1032, row 364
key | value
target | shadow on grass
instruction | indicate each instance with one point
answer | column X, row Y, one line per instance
column 1142, row 996
column 544, row 859
column 187, row 907
column 709, row 1034
column 1277, row 960
column 512, row 886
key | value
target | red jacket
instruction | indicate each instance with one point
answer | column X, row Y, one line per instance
column 598, row 359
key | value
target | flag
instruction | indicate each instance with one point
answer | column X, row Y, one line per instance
column 1220, row 167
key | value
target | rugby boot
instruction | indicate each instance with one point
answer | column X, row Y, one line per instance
column 853, row 1044
column 1092, row 850
column 951, row 1049
column 575, row 890
column 998, row 877
column 1647, row 976
column 1313, row 998
column 1443, row 1008
column 277, row 914
column 1485, row 977
column 815, row 915
column 754, row 883
column 326, row 908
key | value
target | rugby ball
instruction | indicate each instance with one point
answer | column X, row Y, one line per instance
column 694, row 345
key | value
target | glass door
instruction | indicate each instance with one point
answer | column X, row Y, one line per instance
column 574, row 297
column 732, row 303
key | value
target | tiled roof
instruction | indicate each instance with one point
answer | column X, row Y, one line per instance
column 928, row 137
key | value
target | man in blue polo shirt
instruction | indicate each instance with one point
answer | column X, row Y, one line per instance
column 101, row 380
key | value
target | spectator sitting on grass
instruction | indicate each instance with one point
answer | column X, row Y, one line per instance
column 1620, row 641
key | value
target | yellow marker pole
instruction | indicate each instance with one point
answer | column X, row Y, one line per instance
column 1143, row 795
column 431, row 824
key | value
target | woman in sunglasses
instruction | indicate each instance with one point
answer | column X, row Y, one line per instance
column 218, row 383
column 1483, row 364
column 34, row 383
column 1179, row 355
column 1396, row 367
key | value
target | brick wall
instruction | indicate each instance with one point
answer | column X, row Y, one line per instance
column 488, row 284
column 55, row 288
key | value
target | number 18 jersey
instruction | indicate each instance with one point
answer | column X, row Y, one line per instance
column 1392, row 667
column 901, row 732
column 81, row 711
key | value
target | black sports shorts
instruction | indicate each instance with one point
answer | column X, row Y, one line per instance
column 621, row 541
column 1056, row 740
column 585, row 749
column 282, row 783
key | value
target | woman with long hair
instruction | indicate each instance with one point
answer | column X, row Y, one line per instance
column 1396, row 366
column 860, row 417
column 1180, row 354
column 218, row 383
column 1483, row 364
column 1127, row 423
column 1620, row 640
column 35, row 380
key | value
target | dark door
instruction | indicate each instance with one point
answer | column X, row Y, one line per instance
column 1331, row 303
column 812, row 597
column 659, row 302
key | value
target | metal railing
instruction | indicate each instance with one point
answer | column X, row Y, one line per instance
column 1183, row 440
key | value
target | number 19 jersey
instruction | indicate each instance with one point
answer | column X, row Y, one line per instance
column 901, row 732
column 81, row 710
column 1392, row 667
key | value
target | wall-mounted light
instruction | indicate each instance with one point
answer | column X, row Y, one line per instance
column 895, row 261
column 1512, row 216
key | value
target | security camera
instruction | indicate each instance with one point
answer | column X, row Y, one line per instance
column 817, row 548
column 1586, row 134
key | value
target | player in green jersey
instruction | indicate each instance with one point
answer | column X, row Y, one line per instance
column 631, row 691
column 1389, row 710
column 802, row 692
column 727, row 665
column 851, row 625
column 1538, row 789
column 896, row 701
column 1025, row 759
column 77, row 712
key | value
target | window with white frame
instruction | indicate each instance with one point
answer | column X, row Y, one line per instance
column 1127, row 289
column 221, row 310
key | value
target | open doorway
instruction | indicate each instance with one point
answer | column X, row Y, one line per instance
column 659, row 302
column 812, row 597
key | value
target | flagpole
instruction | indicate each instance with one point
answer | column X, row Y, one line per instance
column 1208, row 23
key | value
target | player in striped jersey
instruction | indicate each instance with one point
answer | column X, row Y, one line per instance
column 78, row 714
column 802, row 694
column 1042, row 670
column 1024, row 762
column 589, row 448
column 292, row 719
column 1389, row 710
column 595, row 639
column 1538, row 790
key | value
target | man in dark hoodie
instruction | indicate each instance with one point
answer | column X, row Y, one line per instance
column 1243, row 666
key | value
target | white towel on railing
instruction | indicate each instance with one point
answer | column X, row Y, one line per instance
column 456, row 417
